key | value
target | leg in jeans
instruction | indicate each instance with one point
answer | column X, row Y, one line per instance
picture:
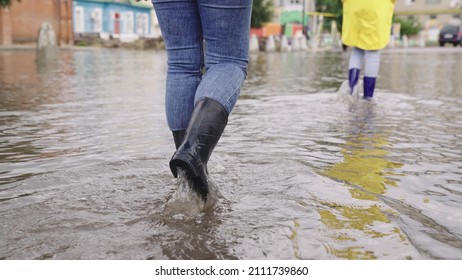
column 181, row 28
column 225, row 27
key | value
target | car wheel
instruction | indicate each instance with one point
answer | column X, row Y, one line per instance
column 441, row 44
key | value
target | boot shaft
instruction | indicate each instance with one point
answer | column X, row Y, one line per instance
column 353, row 77
column 369, row 87
column 205, row 128
column 178, row 137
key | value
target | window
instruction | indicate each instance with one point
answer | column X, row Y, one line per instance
column 129, row 22
column 288, row 3
column 142, row 24
column 79, row 20
column 97, row 19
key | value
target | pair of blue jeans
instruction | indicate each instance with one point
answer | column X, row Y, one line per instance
column 210, row 36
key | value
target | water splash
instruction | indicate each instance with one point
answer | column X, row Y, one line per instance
column 344, row 92
column 185, row 203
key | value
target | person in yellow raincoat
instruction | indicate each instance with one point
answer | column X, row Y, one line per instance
column 366, row 28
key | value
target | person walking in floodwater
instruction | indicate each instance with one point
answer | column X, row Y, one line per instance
column 207, row 43
column 366, row 27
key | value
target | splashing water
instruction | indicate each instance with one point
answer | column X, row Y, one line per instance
column 186, row 203
column 344, row 92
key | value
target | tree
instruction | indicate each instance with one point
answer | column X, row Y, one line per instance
column 6, row 3
column 262, row 12
column 334, row 7
column 409, row 26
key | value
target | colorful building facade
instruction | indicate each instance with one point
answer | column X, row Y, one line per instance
column 127, row 20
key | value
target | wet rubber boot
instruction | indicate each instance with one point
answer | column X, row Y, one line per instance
column 208, row 121
column 369, row 87
column 353, row 77
column 178, row 137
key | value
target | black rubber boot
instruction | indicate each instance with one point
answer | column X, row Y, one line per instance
column 178, row 137
column 207, row 123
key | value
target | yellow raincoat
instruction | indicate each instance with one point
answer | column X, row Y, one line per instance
column 367, row 23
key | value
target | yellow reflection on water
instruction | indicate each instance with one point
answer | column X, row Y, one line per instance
column 294, row 238
column 355, row 218
column 364, row 170
column 352, row 253
column 365, row 165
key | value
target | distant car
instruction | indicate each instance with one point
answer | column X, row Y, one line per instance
column 450, row 34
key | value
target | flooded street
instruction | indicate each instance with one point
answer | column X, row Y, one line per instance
column 301, row 172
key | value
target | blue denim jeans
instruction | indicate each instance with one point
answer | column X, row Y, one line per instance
column 210, row 36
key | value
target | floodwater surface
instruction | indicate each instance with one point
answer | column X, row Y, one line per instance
column 302, row 171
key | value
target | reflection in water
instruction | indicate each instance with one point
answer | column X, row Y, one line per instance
column 30, row 88
column 63, row 112
column 364, row 157
column 294, row 73
column 364, row 170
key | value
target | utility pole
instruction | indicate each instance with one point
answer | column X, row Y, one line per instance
column 303, row 18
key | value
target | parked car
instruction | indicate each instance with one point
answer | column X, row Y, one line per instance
column 451, row 34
